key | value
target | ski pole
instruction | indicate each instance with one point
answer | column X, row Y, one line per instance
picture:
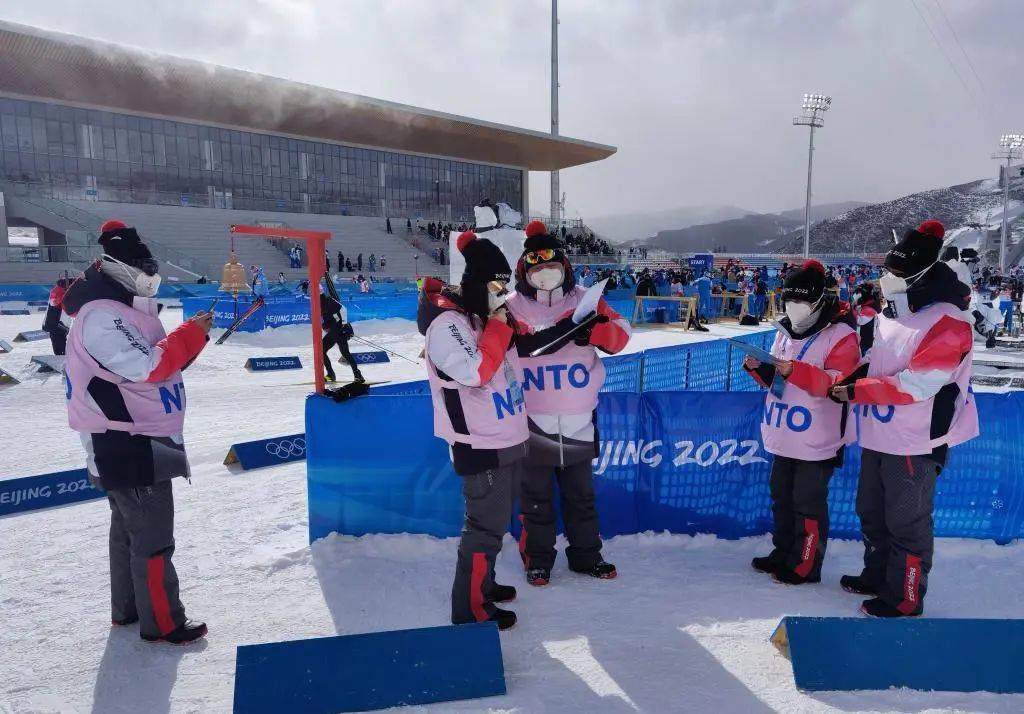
column 563, row 338
column 374, row 344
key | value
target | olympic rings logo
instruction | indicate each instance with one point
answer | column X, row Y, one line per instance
column 287, row 448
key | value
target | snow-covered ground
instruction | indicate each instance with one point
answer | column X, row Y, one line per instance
column 684, row 628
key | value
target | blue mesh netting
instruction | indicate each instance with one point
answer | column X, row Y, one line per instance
column 709, row 366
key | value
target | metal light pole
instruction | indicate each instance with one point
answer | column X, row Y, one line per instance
column 1011, row 146
column 814, row 106
column 555, row 191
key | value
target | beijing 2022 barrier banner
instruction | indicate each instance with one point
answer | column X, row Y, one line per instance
column 685, row 462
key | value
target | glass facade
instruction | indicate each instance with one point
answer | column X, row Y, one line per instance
column 74, row 153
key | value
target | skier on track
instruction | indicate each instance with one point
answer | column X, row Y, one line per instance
column 802, row 428
column 260, row 286
column 476, row 385
column 337, row 331
column 126, row 398
column 914, row 404
column 561, row 390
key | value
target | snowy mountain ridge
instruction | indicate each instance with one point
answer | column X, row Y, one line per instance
column 869, row 228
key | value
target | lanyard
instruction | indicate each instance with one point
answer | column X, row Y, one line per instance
column 807, row 345
column 778, row 385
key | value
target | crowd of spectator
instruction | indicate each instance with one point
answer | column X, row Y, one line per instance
column 585, row 243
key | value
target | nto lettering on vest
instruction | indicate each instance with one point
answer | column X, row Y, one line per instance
column 871, row 410
column 174, row 400
column 795, row 418
column 577, row 376
column 506, row 403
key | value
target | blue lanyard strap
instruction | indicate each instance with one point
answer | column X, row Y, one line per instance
column 807, row 345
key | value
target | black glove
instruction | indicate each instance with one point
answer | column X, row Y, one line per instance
column 347, row 331
column 526, row 344
column 582, row 336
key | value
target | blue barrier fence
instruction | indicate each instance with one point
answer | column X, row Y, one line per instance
column 32, row 493
column 25, row 292
column 289, row 309
column 686, row 462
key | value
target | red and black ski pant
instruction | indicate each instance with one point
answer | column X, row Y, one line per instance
column 143, row 582
column 579, row 515
column 895, row 499
column 489, row 496
column 799, row 491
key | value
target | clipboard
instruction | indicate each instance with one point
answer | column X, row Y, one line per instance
column 756, row 352
column 588, row 303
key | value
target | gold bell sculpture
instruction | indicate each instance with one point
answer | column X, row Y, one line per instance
column 233, row 278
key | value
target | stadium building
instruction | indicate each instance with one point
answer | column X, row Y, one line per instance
column 183, row 149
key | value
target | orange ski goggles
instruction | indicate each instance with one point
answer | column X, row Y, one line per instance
column 539, row 256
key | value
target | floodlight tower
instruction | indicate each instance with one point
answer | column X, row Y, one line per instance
column 556, row 213
column 1011, row 146
column 814, row 106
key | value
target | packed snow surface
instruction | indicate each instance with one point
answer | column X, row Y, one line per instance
column 684, row 628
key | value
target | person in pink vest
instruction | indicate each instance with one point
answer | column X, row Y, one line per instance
column 126, row 398
column 913, row 403
column 561, row 386
column 802, row 428
column 476, row 385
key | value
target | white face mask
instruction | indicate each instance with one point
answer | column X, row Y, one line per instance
column 894, row 290
column 131, row 278
column 497, row 295
column 547, row 278
column 892, row 285
column 801, row 314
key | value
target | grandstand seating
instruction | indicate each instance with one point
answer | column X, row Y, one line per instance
column 203, row 234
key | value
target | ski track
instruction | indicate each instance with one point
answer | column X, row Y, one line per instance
column 684, row 628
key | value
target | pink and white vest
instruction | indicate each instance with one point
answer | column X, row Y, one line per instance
column 797, row 424
column 491, row 416
column 906, row 429
column 567, row 381
column 156, row 408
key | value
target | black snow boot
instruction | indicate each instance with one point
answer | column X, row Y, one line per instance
column 188, row 631
column 766, row 564
column 504, row 618
column 602, row 570
column 538, row 577
column 503, row 593
column 858, row 585
column 123, row 622
column 788, row 577
column 877, row 607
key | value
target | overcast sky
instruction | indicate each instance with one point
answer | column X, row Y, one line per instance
column 698, row 96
